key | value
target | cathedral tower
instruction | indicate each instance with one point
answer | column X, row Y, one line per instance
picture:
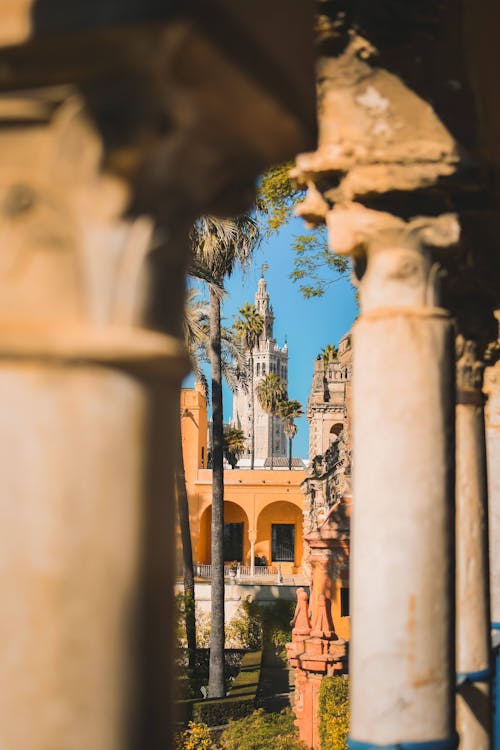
column 267, row 357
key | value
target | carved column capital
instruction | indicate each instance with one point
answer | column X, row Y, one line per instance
column 394, row 259
column 470, row 370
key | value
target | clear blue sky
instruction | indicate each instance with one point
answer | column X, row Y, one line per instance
column 308, row 324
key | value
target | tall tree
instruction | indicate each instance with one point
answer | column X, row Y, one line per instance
column 187, row 554
column 289, row 411
column 271, row 391
column 195, row 312
column 217, row 245
column 196, row 336
column 249, row 327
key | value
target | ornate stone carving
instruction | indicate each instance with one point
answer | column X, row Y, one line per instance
column 470, row 367
column 301, row 624
column 327, row 482
column 398, row 268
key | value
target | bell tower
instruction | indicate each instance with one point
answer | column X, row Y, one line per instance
column 268, row 357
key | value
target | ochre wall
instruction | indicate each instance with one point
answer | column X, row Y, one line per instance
column 247, row 493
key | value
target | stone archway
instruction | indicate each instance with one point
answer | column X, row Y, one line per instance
column 234, row 516
column 280, row 535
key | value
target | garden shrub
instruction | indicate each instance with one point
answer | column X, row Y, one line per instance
column 195, row 737
column 261, row 731
column 334, row 713
column 217, row 711
column 254, row 624
column 241, row 699
column 244, row 630
column 203, row 622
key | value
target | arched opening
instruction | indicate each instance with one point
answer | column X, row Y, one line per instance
column 279, row 535
column 236, row 544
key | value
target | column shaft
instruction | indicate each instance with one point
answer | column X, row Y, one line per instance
column 472, row 591
column 401, row 663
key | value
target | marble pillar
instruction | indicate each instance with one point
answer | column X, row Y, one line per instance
column 401, row 657
column 471, row 550
column 88, row 396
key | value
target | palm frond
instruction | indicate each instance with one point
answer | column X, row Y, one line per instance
column 218, row 244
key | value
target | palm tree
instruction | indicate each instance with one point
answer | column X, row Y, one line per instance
column 271, row 391
column 196, row 338
column 187, row 554
column 249, row 327
column 328, row 352
column 234, row 444
column 288, row 411
column 195, row 312
column 217, row 245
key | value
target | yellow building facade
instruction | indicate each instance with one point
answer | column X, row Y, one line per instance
column 263, row 509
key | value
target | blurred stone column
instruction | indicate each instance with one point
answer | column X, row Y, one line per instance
column 472, row 591
column 401, row 664
column 492, row 389
column 89, row 405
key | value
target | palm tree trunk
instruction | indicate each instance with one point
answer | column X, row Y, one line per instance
column 289, row 454
column 216, row 687
column 272, row 440
column 252, row 402
column 187, row 555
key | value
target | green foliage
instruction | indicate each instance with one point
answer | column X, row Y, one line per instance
column 245, row 629
column 249, row 325
column 262, row 731
column 290, row 409
column 276, row 197
column 255, row 624
column 334, row 713
column 316, row 267
column 328, row 352
column 241, row 699
column 219, row 244
column 203, row 622
column 234, row 444
column 195, row 737
column 270, row 392
column 217, row 711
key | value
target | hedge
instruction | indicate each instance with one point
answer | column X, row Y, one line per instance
column 262, row 731
column 239, row 702
column 334, row 713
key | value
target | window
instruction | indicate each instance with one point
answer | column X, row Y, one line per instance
column 233, row 542
column 202, row 456
column 283, row 542
column 344, row 602
column 258, row 368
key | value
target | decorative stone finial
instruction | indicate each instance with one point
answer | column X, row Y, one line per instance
column 301, row 624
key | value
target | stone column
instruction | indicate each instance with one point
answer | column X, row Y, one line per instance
column 251, row 536
column 401, row 664
column 472, row 590
column 492, row 389
column 89, row 402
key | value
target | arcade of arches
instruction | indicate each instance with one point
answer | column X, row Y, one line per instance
column 278, row 534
